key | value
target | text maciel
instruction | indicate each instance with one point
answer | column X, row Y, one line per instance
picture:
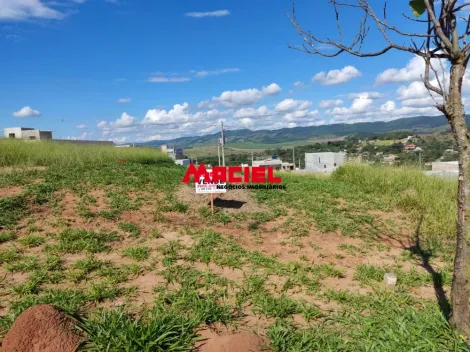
column 222, row 174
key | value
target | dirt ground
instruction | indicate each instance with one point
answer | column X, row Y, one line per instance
column 233, row 201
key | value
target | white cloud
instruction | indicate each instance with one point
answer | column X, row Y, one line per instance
column 179, row 113
column 246, row 97
column 155, row 137
column 388, row 106
column 81, row 127
column 419, row 102
column 101, row 124
column 272, row 89
column 299, row 84
column 326, row 104
column 370, row 95
column 214, row 72
column 247, row 122
column 206, row 104
column 336, row 76
column 124, row 100
column 412, row 72
column 262, row 111
column 301, row 114
column 26, row 112
column 412, row 91
column 83, row 137
column 21, row 10
column 218, row 13
column 359, row 105
column 125, row 120
column 165, row 79
column 290, row 104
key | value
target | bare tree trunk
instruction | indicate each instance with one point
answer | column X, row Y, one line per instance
column 455, row 113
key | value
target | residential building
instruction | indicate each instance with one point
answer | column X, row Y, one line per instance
column 172, row 152
column 390, row 159
column 447, row 169
column 324, row 162
column 274, row 163
column 288, row 166
column 183, row 162
column 27, row 133
column 410, row 146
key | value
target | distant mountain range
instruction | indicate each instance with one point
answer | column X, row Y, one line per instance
column 418, row 124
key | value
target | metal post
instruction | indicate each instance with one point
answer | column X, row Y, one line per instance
column 218, row 152
column 251, row 158
column 223, row 144
column 293, row 156
column 212, row 203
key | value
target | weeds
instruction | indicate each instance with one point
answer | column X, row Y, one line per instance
column 77, row 240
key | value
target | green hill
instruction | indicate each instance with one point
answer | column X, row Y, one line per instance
column 419, row 124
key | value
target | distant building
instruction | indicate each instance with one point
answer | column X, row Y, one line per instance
column 390, row 159
column 445, row 166
column 274, row 163
column 183, row 162
column 410, row 147
column 324, row 162
column 288, row 166
column 448, row 169
column 450, row 151
column 172, row 152
column 26, row 133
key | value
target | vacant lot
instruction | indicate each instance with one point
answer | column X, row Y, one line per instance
column 137, row 256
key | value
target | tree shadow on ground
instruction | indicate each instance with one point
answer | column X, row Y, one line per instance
column 417, row 249
column 228, row 203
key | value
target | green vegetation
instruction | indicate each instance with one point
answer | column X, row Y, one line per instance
column 77, row 240
column 90, row 238
column 45, row 153
column 136, row 253
column 430, row 201
column 156, row 330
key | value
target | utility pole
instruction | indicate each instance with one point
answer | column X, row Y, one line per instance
column 218, row 152
column 293, row 156
column 251, row 158
column 420, row 160
column 223, row 144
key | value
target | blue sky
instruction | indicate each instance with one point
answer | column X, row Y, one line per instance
column 140, row 70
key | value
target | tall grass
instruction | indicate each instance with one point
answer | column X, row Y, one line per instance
column 429, row 200
column 18, row 153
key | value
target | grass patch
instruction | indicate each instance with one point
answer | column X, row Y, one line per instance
column 130, row 228
column 137, row 253
column 12, row 209
column 32, row 241
column 78, row 240
column 155, row 330
column 7, row 236
column 50, row 153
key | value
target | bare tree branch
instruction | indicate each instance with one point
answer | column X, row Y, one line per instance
column 311, row 42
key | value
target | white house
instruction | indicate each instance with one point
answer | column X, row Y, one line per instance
column 324, row 162
column 26, row 133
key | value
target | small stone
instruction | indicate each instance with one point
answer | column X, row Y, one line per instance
column 390, row 279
